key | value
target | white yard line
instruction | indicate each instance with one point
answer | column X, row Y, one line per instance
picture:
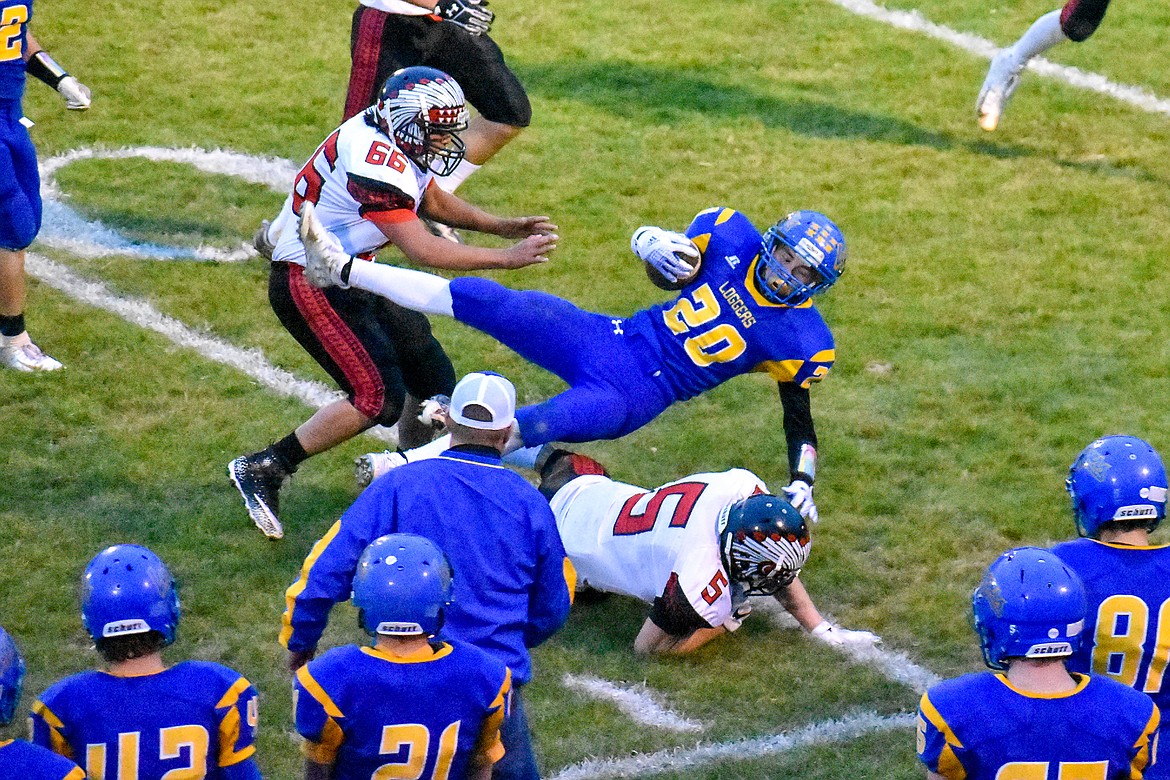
column 139, row 312
column 679, row 759
column 914, row 21
column 637, row 702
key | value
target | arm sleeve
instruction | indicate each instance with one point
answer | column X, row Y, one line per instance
column 798, row 423
column 239, row 715
column 673, row 613
column 327, row 574
column 48, row 731
column 938, row 747
column 550, row 596
column 379, row 201
column 488, row 747
column 317, row 718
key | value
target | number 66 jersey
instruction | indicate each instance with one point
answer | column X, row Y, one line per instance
column 659, row 546
column 1127, row 630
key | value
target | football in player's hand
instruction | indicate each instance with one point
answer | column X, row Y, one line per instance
column 661, row 282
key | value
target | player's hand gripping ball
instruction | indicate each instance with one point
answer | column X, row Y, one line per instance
column 672, row 260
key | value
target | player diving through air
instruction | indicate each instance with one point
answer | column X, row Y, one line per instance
column 743, row 307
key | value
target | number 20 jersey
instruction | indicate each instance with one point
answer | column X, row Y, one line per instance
column 720, row 326
column 1127, row 631
column 357, row 178
column 193, row 720
column 625, row 539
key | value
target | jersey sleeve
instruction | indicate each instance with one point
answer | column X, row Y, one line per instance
column 1145, row 750
column 673, row 613
column 238, row 711
column 317, row 717
column 488, row 747
column 47, row 728
column 551, row 594
column 938, row 747
column 327, row 574
column 379, row 201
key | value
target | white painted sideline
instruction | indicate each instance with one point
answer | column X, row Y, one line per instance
column 1094, row 82
column 740, row 749
column 139, row 312
column 637, row 702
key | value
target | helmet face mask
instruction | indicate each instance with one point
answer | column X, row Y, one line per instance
column 423, row 110
column 802, row 255
column 11, row 678
column 764, row 543
column 1117, row 479
column 1028, row 605
column 402, row 586
column 127, row 590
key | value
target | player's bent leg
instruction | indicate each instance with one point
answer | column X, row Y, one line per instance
column 1003, row 77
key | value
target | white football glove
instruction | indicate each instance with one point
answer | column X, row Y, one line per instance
column 433, row 411
column 739, row 614
column 800, row 494
column 658, row 247
column 836, row 636
column 75, row 93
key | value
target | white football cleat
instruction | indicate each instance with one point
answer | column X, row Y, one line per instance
column 372, row 465
column 326, row 263
column 25, row 356
column 1002, row 79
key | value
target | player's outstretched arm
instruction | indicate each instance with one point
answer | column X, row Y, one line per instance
column 40, row 65
column 424, row 248
column 450, row 209
column 799, row 604
column 652, row 640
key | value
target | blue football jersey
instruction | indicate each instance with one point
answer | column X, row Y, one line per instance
column 980, row 727
column 1127, row 631
column 433, row 715
column 14, row 18
column 195, row 719
column 720, row 326
column 22, row 761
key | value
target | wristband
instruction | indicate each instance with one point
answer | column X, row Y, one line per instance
column 806, row 464
column 45, row 68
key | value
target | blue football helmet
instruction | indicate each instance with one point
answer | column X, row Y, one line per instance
column 402, row 585
column 127, row 589
column 1029, row 605
column 803, row 239
column 11, row 677
column 764, row 543
column 423, row 110
column 1116, row 478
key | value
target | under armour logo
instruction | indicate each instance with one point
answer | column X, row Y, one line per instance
column 732, row 260
column 617, row 328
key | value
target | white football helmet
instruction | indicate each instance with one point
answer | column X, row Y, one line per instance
column 423, row 110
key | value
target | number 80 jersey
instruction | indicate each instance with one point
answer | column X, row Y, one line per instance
column 1127, row 630
column 720, row 326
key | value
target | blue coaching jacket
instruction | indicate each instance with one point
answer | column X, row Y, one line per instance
column 513, row 581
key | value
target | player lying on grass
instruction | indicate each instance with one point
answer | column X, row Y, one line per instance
column 743, row 307
column 695, row 549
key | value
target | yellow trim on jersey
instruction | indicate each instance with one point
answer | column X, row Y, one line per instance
column 1119, row 546
column 315, row 690
column 1147, row 745
column 488, row 748
column 949, row 765
column 298, row 587
column 77, row 773
column 229, row 727
column 131, row 675
column 749, row 281
column 5, row 743
column 420, row 656
column 57, row 742
column 781, row 370
column 702, row 242
column 724, row 215
column 1082, row 681
column 325, row 751
column 571, row 579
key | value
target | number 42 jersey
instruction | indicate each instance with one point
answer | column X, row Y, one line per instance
column 659, row 544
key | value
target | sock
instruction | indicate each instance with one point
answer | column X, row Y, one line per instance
column 415, row 290
column 289, row 452
column 430, row 450
column 11, row 326
column 452, row 181
column 1044, row 33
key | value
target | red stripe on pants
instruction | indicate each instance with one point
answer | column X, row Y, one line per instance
column 339, row 342
column 364, row 69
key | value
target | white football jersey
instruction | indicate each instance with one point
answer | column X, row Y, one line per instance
column 625, row 539
column 357, row 176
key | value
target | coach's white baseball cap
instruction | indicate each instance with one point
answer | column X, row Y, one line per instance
column 484, row 400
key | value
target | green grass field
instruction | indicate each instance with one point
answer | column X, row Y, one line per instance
column 1004, row 304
